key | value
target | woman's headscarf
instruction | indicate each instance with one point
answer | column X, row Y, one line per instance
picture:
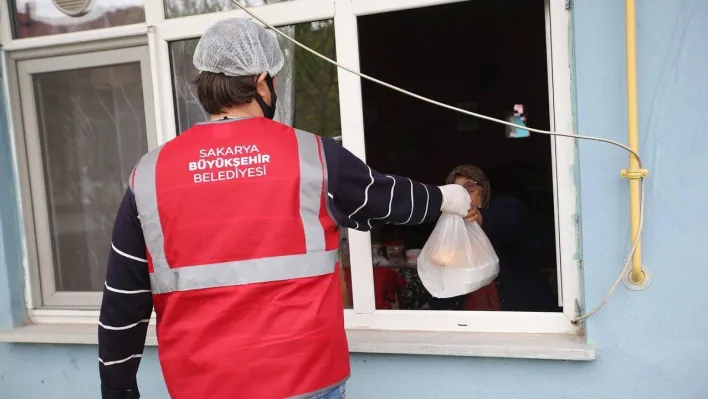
column 475, row 174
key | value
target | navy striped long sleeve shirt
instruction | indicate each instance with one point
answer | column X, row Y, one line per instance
column 359, row 198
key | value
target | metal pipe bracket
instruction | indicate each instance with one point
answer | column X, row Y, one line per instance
column 633, row 174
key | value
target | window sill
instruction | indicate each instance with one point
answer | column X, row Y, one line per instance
column 492, row 345
column 70, row 334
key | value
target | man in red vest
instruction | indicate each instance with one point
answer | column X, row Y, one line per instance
column 231, row 232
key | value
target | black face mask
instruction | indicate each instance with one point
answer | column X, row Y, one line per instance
column 268, row 110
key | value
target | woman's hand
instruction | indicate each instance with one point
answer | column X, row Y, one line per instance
column 474, row 215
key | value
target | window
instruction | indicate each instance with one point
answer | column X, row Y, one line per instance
column 307, row 89
column 86, row 128
column 411, row 138
column 86, row 108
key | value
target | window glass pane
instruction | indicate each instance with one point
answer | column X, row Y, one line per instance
column 183, row 8
column 92, row 132
column 408, row 137
column 307, row 88
column 50, row 17
column 308, row 91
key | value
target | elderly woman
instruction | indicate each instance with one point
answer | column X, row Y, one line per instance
column 520, row 286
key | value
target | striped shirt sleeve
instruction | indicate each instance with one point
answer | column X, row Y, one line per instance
column 126, row 306
column 362, row 198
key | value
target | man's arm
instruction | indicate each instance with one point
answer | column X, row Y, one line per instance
column 126, row 306
column 361, row 198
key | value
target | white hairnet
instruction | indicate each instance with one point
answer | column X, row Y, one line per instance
column 238, row 47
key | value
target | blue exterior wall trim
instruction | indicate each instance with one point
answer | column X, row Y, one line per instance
column 12, row 308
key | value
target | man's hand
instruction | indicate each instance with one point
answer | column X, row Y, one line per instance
column 474, row 215
column 456, row 200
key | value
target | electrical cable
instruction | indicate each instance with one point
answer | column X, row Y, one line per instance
column 628, row 261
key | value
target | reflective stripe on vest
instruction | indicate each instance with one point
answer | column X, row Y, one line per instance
column 315, row 262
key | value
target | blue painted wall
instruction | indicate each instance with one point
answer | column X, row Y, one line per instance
column 651, row 344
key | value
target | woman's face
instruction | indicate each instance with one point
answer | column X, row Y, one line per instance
column 476, row 191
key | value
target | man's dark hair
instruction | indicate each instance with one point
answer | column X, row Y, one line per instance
column 217, row 92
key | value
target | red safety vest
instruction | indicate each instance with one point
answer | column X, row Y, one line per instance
column 242, row 254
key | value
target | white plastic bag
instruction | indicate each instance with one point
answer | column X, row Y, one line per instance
column 457, row 258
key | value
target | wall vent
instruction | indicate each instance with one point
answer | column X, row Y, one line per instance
column 73, row 8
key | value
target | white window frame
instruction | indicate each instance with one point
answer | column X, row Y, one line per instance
column 27, row 69
column 158, row 32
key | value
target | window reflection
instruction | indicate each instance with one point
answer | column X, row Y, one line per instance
column 34, row 18
column 308, row 89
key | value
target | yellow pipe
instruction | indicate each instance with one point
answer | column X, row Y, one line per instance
column 633, row 173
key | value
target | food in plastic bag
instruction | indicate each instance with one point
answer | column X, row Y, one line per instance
column 457, row 258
